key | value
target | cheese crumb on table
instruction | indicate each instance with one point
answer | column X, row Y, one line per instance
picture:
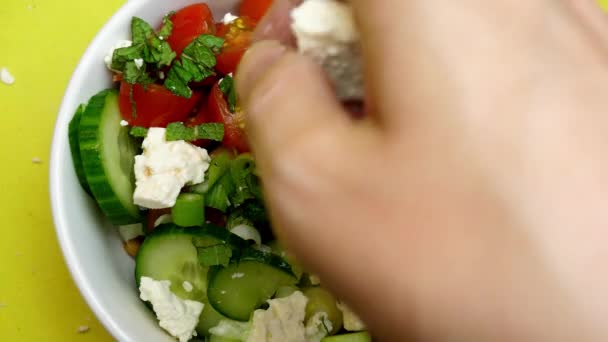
column 325, row 30
column 83, row 329
column 36, row 160
column 6, row 77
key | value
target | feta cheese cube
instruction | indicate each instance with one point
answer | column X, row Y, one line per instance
column 325, row 30
column 284, row 321
column 177, row 316
column 164, row 168
column 229, row 18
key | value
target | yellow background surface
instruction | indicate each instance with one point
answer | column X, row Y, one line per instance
column 41, row 42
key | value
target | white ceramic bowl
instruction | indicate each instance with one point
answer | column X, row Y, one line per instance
column 91, row 246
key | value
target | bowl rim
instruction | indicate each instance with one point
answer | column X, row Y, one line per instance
column 58, row 148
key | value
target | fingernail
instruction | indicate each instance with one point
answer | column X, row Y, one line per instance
column 256, row 61
column 276, row 25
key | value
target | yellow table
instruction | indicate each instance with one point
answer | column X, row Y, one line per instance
column 40, row 42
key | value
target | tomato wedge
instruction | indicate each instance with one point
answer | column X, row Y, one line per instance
column 189, row 23
column 237, row 39
column 217, row 110
column 254, row 9
column 156, row 106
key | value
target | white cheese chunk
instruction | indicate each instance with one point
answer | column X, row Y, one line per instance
column 177, row 316
column 352, row 322
column 284, row 322
column 6, row 77
column 325, row 30
column 229, row 18
column 119, row 44
column 138, row 62
column 164, row 168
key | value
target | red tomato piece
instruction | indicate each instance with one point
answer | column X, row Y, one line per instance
column 254, row 9
column 189, row 23
column 217, row 110
column 237, row 39
column 156, row 106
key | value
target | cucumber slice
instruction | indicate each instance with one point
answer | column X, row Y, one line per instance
column 247, row 283
column 353, row 337
column 74, row 139
column 170, row 253
column 108, row 151
column 215, row 338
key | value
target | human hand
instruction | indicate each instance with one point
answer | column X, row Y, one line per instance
column 469, row 205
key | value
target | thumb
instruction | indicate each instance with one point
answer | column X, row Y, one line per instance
column 287, row 101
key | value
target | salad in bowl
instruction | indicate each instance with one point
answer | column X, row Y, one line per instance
column 159, row 150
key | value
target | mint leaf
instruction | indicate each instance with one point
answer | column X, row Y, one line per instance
column 148, row 46
column 123, row 55
column 215, row 255
column 140, row 31
column 211, row 131
column 228, row 88
column 167, row 28
column 138, row 132
column 197, row 63
column 161, row 52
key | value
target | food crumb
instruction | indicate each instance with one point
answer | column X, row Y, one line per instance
column 36, row 160
column 6, row 77
column 238, row 275
column 83, row 329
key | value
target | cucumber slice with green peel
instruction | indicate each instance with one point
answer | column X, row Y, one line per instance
column 351, row 337
column 247, row 283
column 108, row 151
column 208, row 319
column 74, row 139
column 170, row 253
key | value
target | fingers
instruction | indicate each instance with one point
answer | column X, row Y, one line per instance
column 276, row 24
column 286, row 98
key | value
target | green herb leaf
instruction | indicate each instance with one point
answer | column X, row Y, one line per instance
column 211, row 131
column 138, row 132
column 161, row 52
column 167, row 28
column 196, row 64
column 215, row 255
column 229, row 90
column 148, row 47
column 140, row 31
column 122, row 55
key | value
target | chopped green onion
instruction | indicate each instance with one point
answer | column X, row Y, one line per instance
column 189, row 210
column 218, row 196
